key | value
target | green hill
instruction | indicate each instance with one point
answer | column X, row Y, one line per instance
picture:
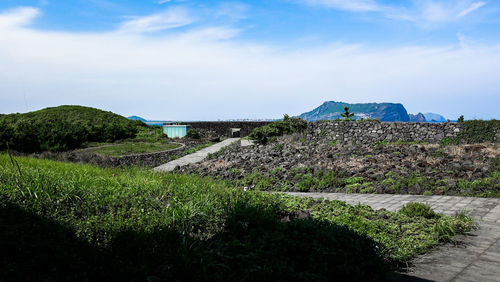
column 381, row 111
column 62, row 128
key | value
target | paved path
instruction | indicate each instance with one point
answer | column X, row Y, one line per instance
column 477, row 258
column 195, row 157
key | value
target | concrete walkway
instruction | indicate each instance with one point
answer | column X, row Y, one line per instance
column 477, row 258
column 195, row 157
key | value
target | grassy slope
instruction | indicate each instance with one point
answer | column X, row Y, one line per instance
column 129, row 148
column 62, row 128
column 62, row 220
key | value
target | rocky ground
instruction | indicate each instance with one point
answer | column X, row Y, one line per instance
column 300, row 163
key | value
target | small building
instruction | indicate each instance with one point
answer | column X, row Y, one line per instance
column 175, row 130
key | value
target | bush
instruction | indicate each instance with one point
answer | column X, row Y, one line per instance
column 288, row 125
column 192, row 134
column 418, row 210
column 63, row 128
column 477, row 131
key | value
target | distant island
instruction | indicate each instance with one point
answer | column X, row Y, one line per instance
column 382, row 111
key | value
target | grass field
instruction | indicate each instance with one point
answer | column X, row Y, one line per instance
column 130, row 148
column 61, row 221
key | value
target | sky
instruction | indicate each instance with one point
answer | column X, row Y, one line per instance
column 211, row 60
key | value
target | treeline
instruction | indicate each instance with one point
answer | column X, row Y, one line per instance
column 62, row 128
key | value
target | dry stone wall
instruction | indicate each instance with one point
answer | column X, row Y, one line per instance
column 221, row 128
column 373, row 132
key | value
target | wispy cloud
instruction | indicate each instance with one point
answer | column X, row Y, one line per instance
column 231, row 10
column 431, row 13
column 472, row 8
column 347, row 5
column 424, row 13
column 171, row 18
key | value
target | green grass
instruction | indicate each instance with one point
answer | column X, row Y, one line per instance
column 63, row 221
column 130, row 148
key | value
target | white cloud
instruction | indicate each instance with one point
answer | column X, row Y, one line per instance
column 171, row 18
column 204, row 74
column 347, row 5
column 432, row 13
column 472, row 8
column 18, row 17
column 424, row 13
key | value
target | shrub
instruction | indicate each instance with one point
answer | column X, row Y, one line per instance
column 477, row 131
column 460, row 119
column 448, row 141
column 192, row 134
column 63, row 128
column 418, row 210
column 288, row 125
column 347, row 115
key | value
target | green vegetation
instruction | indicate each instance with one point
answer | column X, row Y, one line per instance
column 308, row 179
column 149, row 133
column 418, row 210
column 448, row 141
column 406, row 142
column 63, row 128
column 192, row 134
column 129, row 148
column 65, row 221
column 461, row 119
column 288, row 125
column 477, row 131
column 474, row 131
column 347, row 115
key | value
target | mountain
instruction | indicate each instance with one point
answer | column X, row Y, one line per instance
column 431, row 117
column 381, row 111
column 417, row 118
column 137, row 118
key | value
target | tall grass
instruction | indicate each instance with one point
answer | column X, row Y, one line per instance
column 61, row 220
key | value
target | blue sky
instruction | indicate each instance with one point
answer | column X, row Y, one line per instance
column 208, row 60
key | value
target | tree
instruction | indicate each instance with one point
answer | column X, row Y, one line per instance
column 460, row 119
column 347, row 115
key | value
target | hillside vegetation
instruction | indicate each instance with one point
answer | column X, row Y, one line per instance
column 62, row 128
column 63, row 221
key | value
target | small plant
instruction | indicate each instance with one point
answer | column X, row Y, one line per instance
column 382, row 143
column 332, row 143
column 448, row 141
column 278, row 146
column 347, row 115
column 192, row 134
column 234, row 171
column 460, row 119
column 415, row 209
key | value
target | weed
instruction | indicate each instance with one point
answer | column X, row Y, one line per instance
column 418, row 209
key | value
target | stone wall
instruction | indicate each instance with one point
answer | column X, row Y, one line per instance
column 145, row 160
column 372, row 132
column 221, row 128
